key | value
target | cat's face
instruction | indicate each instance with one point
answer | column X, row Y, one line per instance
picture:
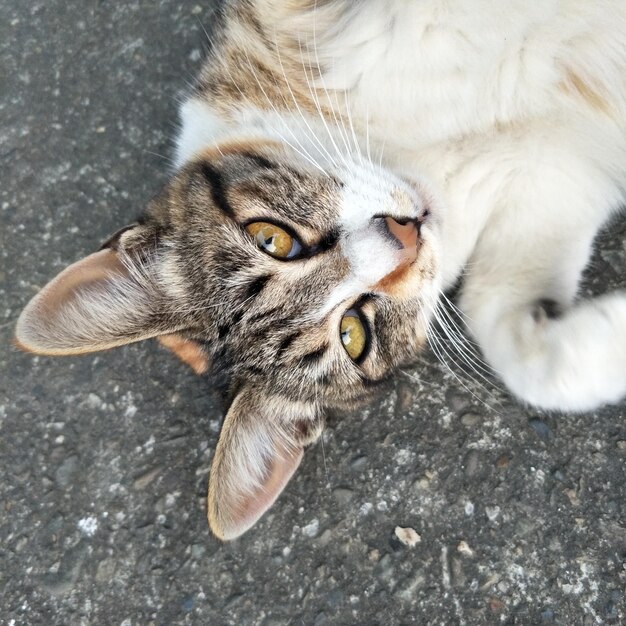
column 302, row 290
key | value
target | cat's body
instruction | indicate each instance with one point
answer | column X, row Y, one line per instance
column 501, row 135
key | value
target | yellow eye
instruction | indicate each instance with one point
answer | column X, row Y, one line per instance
column 274, row 240
column 353, row 335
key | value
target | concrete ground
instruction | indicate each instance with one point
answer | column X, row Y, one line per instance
column 105, row 458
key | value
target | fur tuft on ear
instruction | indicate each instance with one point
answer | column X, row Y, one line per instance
column 105, row 300
column 260, row 447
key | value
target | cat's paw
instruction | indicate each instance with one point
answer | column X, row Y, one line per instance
column 573, row 360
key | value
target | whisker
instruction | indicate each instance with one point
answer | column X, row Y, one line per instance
column 166, row 158
column 471, row 348
column 317, row 104
column 453, row 306
column 456, row 341
column 439, row 350
column 319, row 65
column 382, row 150
column 304, row 153
column 324, row 455
column 341, row 124
column 448, row 349
column 356, row 143
column 367, row 133
column 313, row 134
column 420, row 380
column 245, row 98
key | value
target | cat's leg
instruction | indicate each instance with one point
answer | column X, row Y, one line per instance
column 519, row 297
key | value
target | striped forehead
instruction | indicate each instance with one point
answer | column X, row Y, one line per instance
column 304, row 198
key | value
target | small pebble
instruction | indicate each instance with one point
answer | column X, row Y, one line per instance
column 470, row 419
column 385, row 567
column 66, row 471
column 471, row 463
column 492, row 512
column 503, row 461
column 88, row 525
column 610, row 611
column 457, row 574
column 559, row 475
column 366, row 508
column 542, row 430
column 312, row 528
column 464, row 548
column 359, row 462
column 572, row 496
column 343, row 495
column 408, row 536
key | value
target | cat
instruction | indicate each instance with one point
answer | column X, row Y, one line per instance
column 339, row 166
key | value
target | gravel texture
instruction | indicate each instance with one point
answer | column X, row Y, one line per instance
column 105, row 458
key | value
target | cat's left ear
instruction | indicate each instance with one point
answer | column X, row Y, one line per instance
column 107, row 299
column 260, row 447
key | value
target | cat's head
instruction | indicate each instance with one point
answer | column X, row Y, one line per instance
column 302, row 290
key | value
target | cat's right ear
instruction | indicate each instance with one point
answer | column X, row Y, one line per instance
column 107, row 299
column 261, row 444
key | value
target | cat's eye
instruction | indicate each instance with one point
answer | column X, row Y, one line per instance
column 353, row 334
column 274, row 240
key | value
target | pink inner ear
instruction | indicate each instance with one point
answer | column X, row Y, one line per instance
column 231, row 514
column 99, row 266
column 44, row 327
column 95, row 304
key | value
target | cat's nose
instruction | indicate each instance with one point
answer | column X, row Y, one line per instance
column 405, row 232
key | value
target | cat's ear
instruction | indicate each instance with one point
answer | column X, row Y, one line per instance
column 260, row 447
column 107, row 299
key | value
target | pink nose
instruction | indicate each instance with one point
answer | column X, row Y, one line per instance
column 407, row 234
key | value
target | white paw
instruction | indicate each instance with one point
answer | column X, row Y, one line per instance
column 572, row 362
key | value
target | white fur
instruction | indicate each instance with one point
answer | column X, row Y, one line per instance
column 369, row 192
column 199, row 129
column 484, row 100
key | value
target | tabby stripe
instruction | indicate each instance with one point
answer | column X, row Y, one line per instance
column 257, row 317
column 286, row 343
column 256, row 286
column 373, row 382
column 261, row 161
column 218, row 189
column 224, row 329
column 315, row 356
column 329, row 239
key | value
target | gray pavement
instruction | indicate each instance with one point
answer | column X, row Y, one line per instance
column 105, row 458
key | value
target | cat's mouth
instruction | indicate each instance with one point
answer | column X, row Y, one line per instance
column 389, row 282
